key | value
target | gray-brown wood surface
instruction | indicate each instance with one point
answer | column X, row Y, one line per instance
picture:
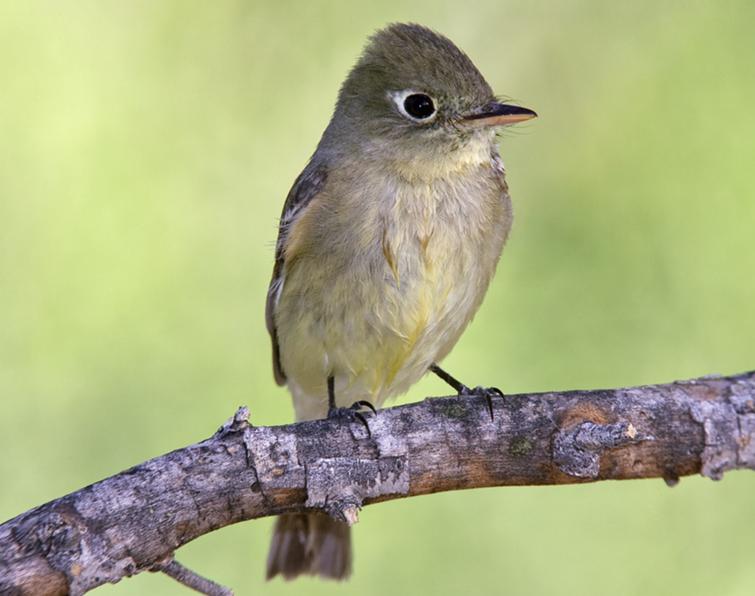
column 135, row 520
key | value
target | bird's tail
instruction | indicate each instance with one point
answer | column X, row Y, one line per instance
column 312, row 544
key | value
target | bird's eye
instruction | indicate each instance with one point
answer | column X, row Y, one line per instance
column 419, row 106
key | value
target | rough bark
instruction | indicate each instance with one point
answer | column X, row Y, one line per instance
column 135, row 520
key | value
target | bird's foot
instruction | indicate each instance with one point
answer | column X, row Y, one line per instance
column 463, row 391
column 360, row 410
column 487, row 392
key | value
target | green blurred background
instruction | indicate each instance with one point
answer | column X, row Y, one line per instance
column 145, row 151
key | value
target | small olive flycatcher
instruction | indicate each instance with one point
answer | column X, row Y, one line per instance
column 387, row 243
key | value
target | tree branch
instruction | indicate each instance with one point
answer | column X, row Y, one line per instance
column 135, row 520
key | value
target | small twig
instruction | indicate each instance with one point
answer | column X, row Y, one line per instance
column 190, row 579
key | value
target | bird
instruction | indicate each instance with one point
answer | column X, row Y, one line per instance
column 387, row 243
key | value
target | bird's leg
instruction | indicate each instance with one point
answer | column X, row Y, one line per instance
column 458, row 386
column 331, row 395
column 353, row 411
column 487, row 392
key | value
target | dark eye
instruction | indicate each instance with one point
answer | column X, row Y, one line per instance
column 419, row 105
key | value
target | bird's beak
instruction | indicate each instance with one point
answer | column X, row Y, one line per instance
column 497, row 114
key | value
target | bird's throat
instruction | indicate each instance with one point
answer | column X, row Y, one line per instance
column 440, row 161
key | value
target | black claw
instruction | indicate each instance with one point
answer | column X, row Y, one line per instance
column 490, row 406
column 353, row 412
column 356, row 408
column 363, row 403
column 359, row 416
column 488, row 393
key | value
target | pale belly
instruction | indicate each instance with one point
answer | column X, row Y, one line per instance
column 376, row 320
column 381, row 339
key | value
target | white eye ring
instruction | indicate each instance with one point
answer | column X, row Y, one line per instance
column 399, row 99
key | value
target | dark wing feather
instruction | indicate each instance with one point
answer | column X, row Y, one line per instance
column 306, row 187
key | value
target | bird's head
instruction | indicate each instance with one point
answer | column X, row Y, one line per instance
column 414, row 90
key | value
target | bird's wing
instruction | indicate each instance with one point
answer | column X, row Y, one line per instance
column 306, row 187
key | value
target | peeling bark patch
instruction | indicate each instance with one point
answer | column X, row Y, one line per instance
column 339, row 484
column 740, row 396
column 722, row 430
column 271, row 454
column 746, row 458
column 577, row 451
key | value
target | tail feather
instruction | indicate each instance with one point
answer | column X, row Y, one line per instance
column 312, row 544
